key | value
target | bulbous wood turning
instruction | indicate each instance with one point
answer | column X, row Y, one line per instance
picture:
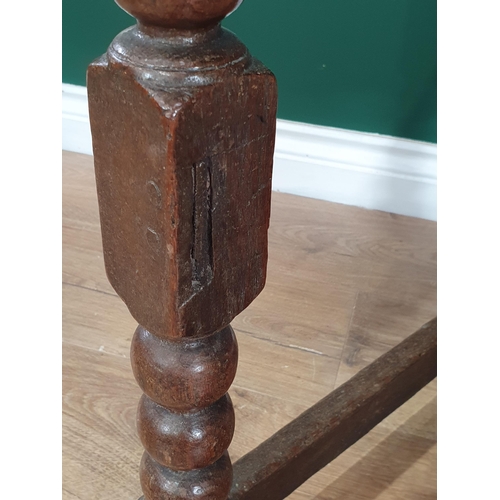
column 185, row 374
column 185, row 441
column 185, row 418
column 179, row 14
column 183, row 127
column 209, row 483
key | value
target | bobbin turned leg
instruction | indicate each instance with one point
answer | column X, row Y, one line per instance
column 185, row 418
column 183, row 125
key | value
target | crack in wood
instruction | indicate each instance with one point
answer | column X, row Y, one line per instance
column 201, row 251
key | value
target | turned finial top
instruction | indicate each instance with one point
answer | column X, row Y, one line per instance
column 179, row 14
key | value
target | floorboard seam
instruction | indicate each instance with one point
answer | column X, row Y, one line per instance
column 90, row 289
column 346, row 337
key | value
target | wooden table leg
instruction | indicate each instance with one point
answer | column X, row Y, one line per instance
column 183, row 127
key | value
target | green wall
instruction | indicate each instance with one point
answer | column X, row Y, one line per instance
column 367, row 65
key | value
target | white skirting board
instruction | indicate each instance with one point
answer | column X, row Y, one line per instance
column 354, row 168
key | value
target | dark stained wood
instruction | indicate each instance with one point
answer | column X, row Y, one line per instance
column 184, row 374
column 212, row 482
column 183, row 134
column 185, row 441
column 178, row 13
column 283, row 462
column 183, row 128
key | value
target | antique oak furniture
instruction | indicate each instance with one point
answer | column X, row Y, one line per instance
column 183, row 126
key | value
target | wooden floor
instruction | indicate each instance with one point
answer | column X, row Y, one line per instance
column 344, row 286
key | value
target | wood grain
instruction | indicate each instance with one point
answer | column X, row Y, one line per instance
column 334, row 301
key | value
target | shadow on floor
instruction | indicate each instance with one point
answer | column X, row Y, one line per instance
column 371, row 475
